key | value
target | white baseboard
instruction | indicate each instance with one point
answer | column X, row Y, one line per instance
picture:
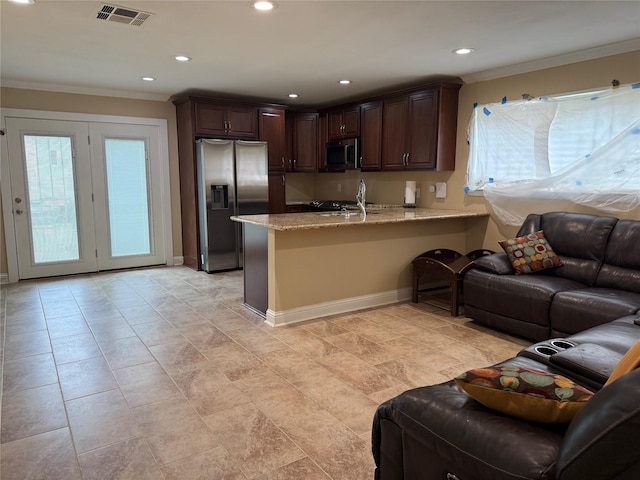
column 4, row 278
column 345, row 305
column 178, row 261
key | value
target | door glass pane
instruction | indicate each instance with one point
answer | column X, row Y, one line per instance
column 127, row 197
column 52, row 198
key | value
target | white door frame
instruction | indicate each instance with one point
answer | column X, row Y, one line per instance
column 5, row 181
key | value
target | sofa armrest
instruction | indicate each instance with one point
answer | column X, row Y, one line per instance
column 497, row 263
column 601, row 442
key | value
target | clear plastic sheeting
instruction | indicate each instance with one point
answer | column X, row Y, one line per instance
column 562, row 153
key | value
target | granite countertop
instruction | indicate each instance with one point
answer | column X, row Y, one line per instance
column 376, row 215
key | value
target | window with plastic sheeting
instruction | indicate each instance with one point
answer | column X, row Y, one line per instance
column 573, row 149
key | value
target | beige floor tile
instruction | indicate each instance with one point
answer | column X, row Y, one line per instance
column 235, row 362
column 85, row 377
column 258, row 444
column 179, row 357
column 323, row 328
column 125, row 352
column 99, row 420
column 174, row 430
column 256, row 340
column 293, row 366
column 127, row 460
column 47, row 456
column 357, row 373
column 30, row 412
column 67, row 325
column 216, row 464
column 26, row 344
column 139, row 314
column 74, row 348
column 26, row 322
column 209, row 391
column 226, row 320
column 29, row 372
column 305, row 342
column 205, row 336
column 364, row 348
column 157, row 332
column 61, row 308
column 145, row 383
column 110, row 328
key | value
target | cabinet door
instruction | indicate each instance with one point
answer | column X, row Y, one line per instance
column 351, row 122
column 305, row 142
column 277, row 196
column 394, row 130
column 335, row 124
column 242, row 122
column 211, row 119
column 323, row 137
column 371, row 136
column 422, row 130
column 271, row 126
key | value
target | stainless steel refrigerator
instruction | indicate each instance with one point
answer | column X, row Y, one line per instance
column 232, row 180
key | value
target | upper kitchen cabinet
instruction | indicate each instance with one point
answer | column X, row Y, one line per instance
column 302, row 135
column 272, row 130
column 226, row 120
column 370, row 136
column 419, row 129
column 344, row 123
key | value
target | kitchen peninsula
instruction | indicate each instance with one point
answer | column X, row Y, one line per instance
column 300, row 266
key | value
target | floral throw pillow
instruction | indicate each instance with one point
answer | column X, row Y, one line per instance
column 525, row 393
column 530, row 253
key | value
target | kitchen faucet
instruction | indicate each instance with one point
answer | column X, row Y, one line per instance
column 362, row 188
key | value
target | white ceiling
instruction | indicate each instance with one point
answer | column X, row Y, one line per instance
column 302, row 46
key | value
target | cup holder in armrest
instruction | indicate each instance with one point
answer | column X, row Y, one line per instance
column 563, row 344
column 545, row 350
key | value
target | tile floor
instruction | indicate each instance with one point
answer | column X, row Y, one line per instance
column 162, row 374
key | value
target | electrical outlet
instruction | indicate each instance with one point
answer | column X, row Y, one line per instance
column 339, row 187
column 432, row 188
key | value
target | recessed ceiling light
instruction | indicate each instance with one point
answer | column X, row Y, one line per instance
column 293, row 95
column 344, row 82
column 148, row 79
column 27, row 2
column 463, row 51
column 182, row 58
column 264, row 6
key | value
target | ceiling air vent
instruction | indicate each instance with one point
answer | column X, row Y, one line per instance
column 127, row 16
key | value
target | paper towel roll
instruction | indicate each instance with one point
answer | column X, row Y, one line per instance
column 410, row 193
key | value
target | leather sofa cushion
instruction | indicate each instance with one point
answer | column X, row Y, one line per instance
column 521, row 297
column 618, row 336
column 621, row 267
column 601, row 442
column 579, row 239
column 576, row 310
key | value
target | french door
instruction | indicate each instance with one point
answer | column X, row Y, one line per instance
column 85, row 196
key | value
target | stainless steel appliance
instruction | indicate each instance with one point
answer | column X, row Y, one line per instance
column 232, row 180
column 343, row 155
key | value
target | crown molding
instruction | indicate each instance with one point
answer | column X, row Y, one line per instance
column 555, row 61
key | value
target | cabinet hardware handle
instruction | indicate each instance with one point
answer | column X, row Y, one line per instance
column 408, row 158
column 229, row 125
column 290, row 163
column 404, row 159
column 294, row 163
column 282, row 162
column 284, row 181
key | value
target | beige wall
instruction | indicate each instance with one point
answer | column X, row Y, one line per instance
column 92, row 104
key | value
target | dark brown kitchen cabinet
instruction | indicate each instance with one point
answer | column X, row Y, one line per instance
column 303, row 142
column 323, row 137
column 223, row 120
column 272, row 130
column 344, row 123
column 419, row 129
column 370, row 136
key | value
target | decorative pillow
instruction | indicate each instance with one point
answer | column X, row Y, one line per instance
column 630, row 361
column 525, row 393
column 530, row 253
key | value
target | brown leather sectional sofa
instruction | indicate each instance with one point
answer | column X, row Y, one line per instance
column 584, row 316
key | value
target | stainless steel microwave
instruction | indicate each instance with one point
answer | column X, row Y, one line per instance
column 343, row 155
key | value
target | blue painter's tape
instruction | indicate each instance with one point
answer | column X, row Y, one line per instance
column 490, row 179
column 594, row 98
column 635, row 131
column 587, row 155
column 635, row 85
column 467, row 189
column 543, row 99
column 486, row 111
column 475, row 104
column 579, row 183
column 504, row 100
